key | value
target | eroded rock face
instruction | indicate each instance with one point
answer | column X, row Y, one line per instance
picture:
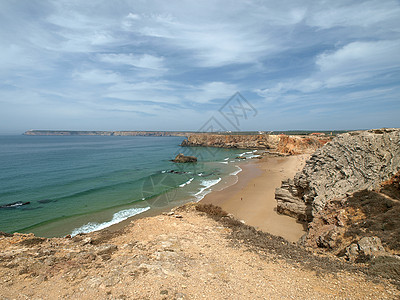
column 283, row 144
column 351, row 162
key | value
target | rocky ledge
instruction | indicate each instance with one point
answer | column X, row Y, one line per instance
column 351, row 162
column 283, row 144
column 349, row 195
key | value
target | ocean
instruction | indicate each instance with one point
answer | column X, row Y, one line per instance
column 59, row 185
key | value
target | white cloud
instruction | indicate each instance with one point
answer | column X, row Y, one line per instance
column 362, row 56
column 96, row 76
column 211, row 91
column 361, row 13
column 145, row 61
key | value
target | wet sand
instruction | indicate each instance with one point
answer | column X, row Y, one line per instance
column 252, row 198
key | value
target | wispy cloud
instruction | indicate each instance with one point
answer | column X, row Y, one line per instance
column 158, row 60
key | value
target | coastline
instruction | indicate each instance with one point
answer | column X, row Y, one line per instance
column 252, row 198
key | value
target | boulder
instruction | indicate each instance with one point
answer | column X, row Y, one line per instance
column 180, row 158
column 365, row 247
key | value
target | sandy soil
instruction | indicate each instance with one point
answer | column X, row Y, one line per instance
column 252, row 198
column 182, row 255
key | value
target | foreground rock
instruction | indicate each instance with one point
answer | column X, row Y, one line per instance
column 351, row 162
column 180, row 158
column 194, row 252
column 364, row 220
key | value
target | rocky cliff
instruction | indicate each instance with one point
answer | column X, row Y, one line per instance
column 106, row 133
column 351, row 162
column 275, row 143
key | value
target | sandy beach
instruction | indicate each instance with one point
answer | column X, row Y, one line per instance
column 252, row 198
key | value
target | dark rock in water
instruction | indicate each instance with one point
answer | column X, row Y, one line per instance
column 15, row 204
column 180, row 158
column 45, row 201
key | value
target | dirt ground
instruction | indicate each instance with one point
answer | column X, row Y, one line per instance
column 194, row 252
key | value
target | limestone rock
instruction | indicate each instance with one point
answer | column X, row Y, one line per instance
column 351, row 162
column 180, row 158
column 367, row 246
column 276, row 143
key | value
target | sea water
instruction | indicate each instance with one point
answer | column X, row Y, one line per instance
column 58, row 185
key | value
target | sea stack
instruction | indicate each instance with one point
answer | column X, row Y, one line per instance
column 180, row 158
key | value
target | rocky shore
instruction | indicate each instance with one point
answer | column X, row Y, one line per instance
column 348, row 194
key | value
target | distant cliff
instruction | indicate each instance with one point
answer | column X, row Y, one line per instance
column 105, row 133
column 275, row 143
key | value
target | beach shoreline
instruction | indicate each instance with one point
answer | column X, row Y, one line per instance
column 252, row 198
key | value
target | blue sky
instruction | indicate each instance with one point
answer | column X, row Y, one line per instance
column 170, row 65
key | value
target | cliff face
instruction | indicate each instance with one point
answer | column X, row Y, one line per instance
column 105, row 133
column 351, row 162
column 277, row 143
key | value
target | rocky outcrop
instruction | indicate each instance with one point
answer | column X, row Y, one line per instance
column 359, row 217
column 275, row 143
column 180, row 158
column 351, row 162
column 366, row 247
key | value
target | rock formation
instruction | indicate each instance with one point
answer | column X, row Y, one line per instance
column 180, row 158
column 283, row 144
column 351, row 162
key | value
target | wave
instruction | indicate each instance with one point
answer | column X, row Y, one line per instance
column 206, row 185
column 249, row 154
column 117, row 218
column 186, row 183
column 239, row 169
column 244, row 153
column 223, row 162
column 252, row 156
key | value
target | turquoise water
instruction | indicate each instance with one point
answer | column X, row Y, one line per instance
column 83, row 183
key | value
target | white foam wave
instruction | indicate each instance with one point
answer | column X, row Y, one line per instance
column 223, row 162
column 186, row 183
column 244, row 153
column 226, row 158
column 239, row 169
column 117, row 217
column 205, row 189
column 252, row 156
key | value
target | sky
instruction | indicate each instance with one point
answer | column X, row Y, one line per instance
column 172, row 65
